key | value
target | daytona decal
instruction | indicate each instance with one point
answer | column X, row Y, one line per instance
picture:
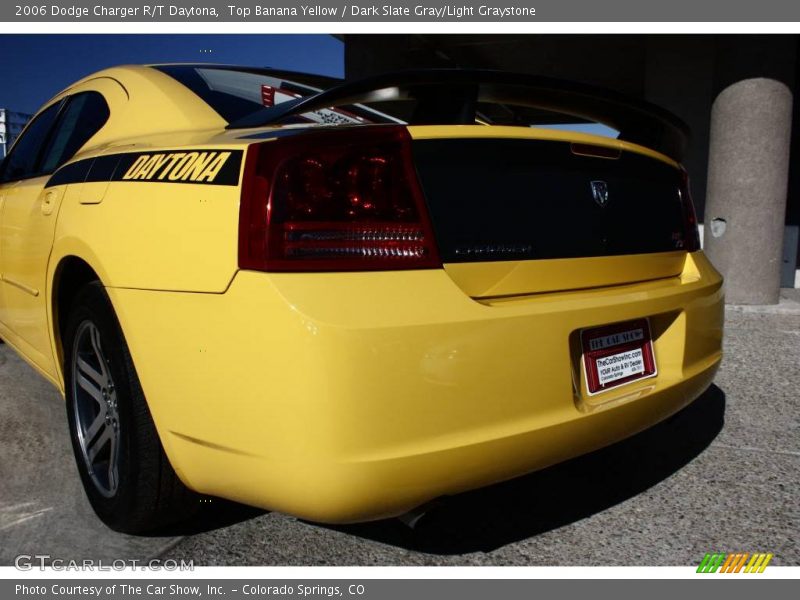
column 207, row 167
column 202, row 167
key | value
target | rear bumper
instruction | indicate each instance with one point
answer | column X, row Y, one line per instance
column 346, row 397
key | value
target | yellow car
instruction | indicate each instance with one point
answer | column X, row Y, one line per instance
column 344, row 304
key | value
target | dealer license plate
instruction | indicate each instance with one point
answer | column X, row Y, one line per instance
column 614, row 355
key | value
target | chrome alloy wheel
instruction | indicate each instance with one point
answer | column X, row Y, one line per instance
column 95, row 409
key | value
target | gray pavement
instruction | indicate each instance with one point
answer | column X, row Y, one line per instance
column 723, row 475
column 43, row 509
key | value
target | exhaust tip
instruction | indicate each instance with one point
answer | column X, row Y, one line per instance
column 413, row 518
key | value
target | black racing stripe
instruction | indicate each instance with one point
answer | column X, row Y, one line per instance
column 103, row 168
column 228, row 174
column 117, row 167
column 72, row 173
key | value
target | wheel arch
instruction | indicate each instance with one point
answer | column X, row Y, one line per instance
column 69, row 275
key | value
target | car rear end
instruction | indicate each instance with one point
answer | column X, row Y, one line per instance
column 423, row 310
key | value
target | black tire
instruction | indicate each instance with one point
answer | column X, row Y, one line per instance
column 142, row 493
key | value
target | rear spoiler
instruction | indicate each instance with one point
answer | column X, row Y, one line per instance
column 451, row 96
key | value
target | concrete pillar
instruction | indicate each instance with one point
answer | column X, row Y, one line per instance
column 751, row 124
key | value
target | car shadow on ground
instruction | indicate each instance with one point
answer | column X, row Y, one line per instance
column 213, row 513
column 486, row 519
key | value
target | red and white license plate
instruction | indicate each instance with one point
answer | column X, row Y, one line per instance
column 614, row 355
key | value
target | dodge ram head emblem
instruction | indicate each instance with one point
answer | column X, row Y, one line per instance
column 600, row 192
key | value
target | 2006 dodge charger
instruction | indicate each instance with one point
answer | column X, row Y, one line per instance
column 345, row 303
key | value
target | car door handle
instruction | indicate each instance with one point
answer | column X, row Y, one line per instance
column 49, row 203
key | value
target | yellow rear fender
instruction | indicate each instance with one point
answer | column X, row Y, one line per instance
column 166, row 219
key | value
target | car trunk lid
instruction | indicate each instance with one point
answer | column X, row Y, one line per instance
column 522, row 211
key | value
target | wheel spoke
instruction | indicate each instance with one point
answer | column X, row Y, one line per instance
column 93, row 449
column 112, row 463
column 94, row 335
column 89, row 370
column 90, row 389
column 96, row 425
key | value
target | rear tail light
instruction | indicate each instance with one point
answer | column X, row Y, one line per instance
column 345, row 200
column 691, row 235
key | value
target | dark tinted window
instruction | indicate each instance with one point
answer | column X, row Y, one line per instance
column 235, row 93
column 23, row 160
column 84, row 116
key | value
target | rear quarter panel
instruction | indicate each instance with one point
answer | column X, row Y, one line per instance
column 154, row 234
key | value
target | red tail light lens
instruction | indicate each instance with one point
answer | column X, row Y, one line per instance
column 692, row 235
column 334, row 201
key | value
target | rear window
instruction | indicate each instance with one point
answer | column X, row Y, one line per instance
column 235, row 93
column 84, row 116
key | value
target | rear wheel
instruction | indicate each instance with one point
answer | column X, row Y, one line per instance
column 126, row 475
